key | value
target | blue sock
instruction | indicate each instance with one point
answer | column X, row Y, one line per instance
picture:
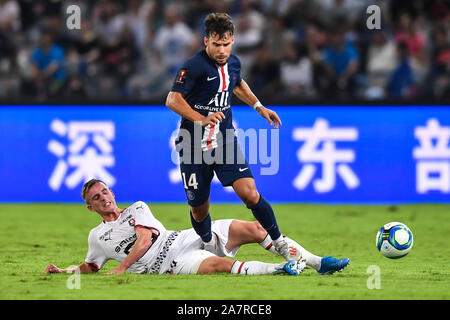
column 203, row 228
column 263, row 212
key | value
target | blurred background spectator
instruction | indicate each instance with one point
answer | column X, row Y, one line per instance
column 291, row 50
column 48, row 75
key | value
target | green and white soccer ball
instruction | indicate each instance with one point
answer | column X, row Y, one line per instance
column 394, row 240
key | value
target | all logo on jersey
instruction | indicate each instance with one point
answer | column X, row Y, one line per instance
column 220, row 99
column 181, row 77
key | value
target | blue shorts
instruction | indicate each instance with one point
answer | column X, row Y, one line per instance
column 229, row 164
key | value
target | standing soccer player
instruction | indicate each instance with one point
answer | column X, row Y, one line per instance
column 201, row 94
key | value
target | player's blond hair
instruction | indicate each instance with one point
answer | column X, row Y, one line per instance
column 88, row 185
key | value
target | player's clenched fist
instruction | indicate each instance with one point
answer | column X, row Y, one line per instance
column 213, row 119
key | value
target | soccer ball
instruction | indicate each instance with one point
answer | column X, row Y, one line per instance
column 394, row 240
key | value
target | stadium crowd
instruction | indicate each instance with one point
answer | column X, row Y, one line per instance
column 291, row 50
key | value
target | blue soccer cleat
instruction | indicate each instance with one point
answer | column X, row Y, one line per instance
column 329, row 265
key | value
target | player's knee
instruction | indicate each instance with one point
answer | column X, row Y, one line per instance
column 257, row 231
column 215, row 265
column 223, row 264
column 250, row 196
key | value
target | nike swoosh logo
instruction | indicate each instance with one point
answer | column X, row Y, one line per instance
column 209, row 79
column 242, row 169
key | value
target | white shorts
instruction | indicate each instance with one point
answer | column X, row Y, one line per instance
column 187, row 251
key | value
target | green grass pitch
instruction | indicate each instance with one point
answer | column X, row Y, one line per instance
column 34, row 235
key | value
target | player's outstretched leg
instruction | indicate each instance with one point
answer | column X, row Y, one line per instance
column 323, row 265
column 244, row 232
column 220, row 264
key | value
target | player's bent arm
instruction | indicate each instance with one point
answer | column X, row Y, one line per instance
column 143, row 242
column 175, row 101
column 83, row 268
column 244, row 93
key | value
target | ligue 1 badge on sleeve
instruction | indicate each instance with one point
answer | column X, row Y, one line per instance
column 181, row 77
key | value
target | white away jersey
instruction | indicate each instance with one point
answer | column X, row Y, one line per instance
column 114, row 240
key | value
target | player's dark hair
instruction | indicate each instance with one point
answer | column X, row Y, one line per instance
column 218, row 24
column 88, row 185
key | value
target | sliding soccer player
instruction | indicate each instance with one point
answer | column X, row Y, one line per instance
column 141, row 244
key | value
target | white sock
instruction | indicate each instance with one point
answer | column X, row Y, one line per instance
column 280, row 238
column 268, row 244
column 253, row 268
column 213, row 240
column 312, row 260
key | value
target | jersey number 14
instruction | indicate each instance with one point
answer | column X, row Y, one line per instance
column 191, row 182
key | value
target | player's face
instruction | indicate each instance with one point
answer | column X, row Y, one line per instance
column 219, row 49
column 101, row 199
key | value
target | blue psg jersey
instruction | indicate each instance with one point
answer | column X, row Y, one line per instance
column 208, row 87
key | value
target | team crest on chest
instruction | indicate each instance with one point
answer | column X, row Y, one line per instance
column 106, row 236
